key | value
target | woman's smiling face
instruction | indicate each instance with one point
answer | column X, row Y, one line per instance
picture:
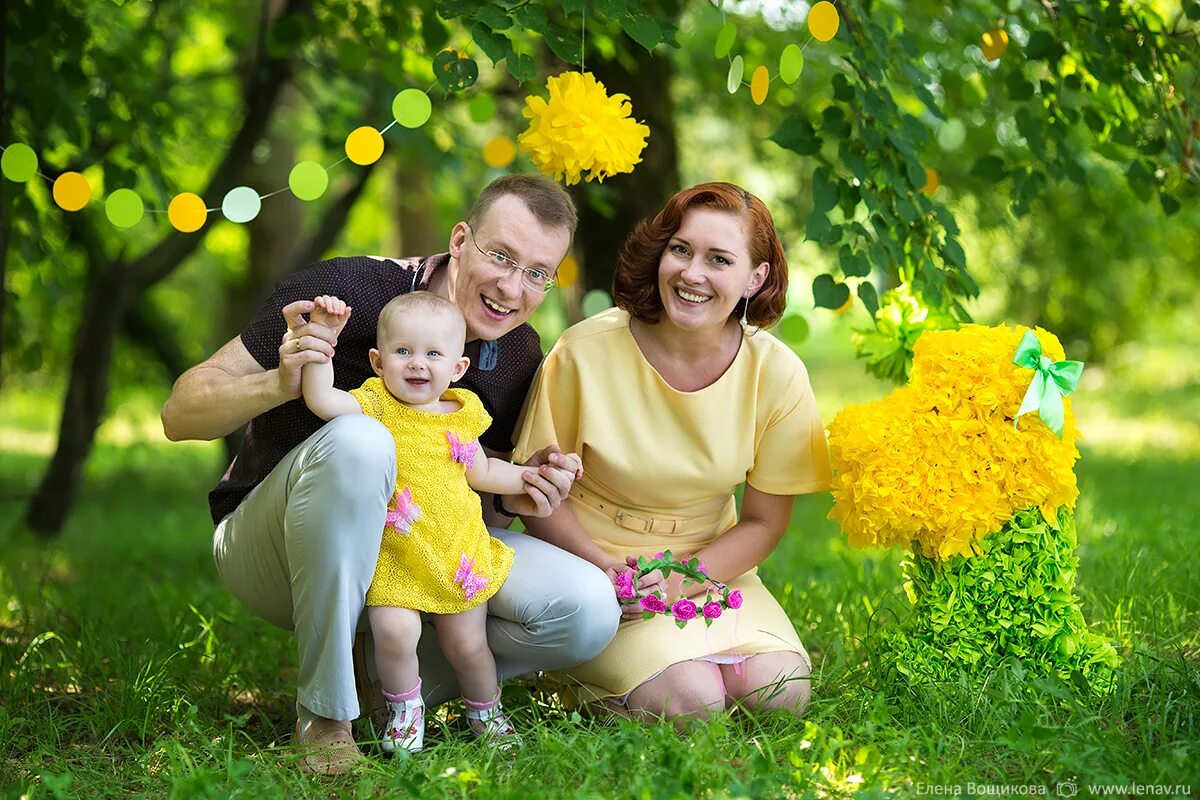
column 705, row 270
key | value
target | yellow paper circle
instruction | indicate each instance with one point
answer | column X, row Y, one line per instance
column 994, row 43
column 187, row 212
column 71, row 191
column 364, row 145
column 499, row 152
column 568, row 272
column 823, row 21
column 932, row 181
column 758, row 85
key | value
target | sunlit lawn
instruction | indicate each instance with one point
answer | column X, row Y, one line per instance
column 125, row 669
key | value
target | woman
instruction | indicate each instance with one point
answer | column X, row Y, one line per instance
column 673, row 399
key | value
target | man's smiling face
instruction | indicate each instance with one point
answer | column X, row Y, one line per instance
column 493, row 299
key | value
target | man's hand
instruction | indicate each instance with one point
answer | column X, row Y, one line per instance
column 305, row 342
column 547, row 483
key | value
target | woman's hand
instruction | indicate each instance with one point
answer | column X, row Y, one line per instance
column 547, row 483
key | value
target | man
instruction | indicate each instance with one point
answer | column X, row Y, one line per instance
column 300, row 512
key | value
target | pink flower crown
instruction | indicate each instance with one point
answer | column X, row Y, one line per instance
column 683, row 609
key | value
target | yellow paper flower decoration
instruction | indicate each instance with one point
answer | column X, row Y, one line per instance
column 937, row 464
column 581, row 129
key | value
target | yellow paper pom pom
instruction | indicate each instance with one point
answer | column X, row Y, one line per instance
column 938, row 464
column 581, row 129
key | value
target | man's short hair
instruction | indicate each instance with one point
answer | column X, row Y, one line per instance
column 547, row 201
column 417, row 301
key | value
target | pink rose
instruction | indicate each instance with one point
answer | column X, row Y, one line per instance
column 684, row 609
column 712, row 609
column 625, row 589
column 734, row 600
column 653, row 602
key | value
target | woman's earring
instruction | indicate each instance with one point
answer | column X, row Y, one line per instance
column 745, row 309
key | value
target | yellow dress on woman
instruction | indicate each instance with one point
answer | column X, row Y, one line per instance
column 436, row 554
column 660, row 468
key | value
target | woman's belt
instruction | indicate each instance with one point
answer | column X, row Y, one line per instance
column 641, row 523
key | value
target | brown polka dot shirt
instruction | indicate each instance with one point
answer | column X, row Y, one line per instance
column 500, row 372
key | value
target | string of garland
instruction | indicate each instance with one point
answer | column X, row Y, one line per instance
column 683, row 610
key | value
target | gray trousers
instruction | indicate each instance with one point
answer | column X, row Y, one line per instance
column 300, row 552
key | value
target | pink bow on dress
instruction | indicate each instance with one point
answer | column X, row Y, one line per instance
column 406, row 513
column 462, row 452
column 465, row 577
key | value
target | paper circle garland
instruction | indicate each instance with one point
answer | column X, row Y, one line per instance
column 19, row 162
column 725, row 40
column 124, row 208
column 737, row 71
column 308, row 180
column 411, row 108
column 481, row 108
column 499, row 152
column 187, row 212
column 932, row 182
column 364, row 145
column 791, row 63
column 758, row 85
column 241, row 204
column 993, row 43
column 595, row 301
column 823, row 21
column 71, row 191
column 794, row 329
column 568, row 272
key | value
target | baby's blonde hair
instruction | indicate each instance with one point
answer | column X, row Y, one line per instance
column 415, row 303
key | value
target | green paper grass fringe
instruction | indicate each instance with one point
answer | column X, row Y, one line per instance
column 1013, row 601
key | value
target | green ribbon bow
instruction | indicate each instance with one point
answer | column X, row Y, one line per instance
column 1052, row 381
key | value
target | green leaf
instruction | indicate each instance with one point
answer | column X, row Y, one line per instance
column 563, row 42
column 453, row 73
column 570, row 7
column 1041, row 46
column 953, row 253
column 531, row 17
column 842, row 90
column 495, row 45
column 947, row 219
column 434, row 33
column 1192, row 9
column 642, row 29
column 868, row 296
column 854, row 265
column 833, row 122
column 1169, row 204
column 449, row 9
column 494, row 17
column 828, row 293
column 1019, row 89
column 797, row 134
column 989, row 168
column 521, row 67
column 824, row 190
column 817, row 226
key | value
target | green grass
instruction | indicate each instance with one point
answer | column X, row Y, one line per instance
column 127, row 670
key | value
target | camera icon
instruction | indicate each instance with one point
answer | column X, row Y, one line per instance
column 1067, row 788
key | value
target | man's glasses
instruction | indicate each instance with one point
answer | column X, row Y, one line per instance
column 532, row 277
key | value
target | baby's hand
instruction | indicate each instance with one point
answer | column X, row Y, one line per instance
column 562, row 478
column 569, row 462
column 330, row 312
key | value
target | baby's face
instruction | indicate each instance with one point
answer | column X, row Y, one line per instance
column 420, row 356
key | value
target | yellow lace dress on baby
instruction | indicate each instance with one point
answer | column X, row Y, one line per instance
column 436, row 554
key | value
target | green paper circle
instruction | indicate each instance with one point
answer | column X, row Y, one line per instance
column 481, row 108
column 241, row 204
column 793, row 329
column 952, row 134
column 308, row 180
column 737, row 71
column 124, row 208
column 596, row 301
column 725, row 40
column 791, row 63
column 19, row 162
column 412, row 108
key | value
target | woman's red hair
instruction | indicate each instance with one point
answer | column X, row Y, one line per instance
column 635, row 283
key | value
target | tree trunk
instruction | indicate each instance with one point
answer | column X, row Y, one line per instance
column 641, row 193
